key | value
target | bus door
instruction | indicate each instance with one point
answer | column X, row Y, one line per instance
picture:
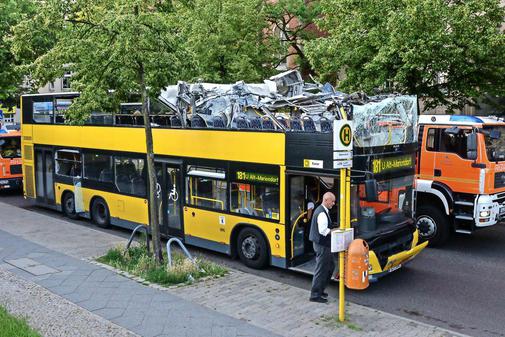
column 305, row 195
column 169, row 196
column 44, row 175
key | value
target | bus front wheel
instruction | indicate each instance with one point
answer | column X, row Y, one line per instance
column 252, row 248
column 68, row 205
column 100, row 213
column 433, row 225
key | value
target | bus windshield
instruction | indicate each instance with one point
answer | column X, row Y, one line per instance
column 495, row 147
column 394, row 204
column 10, row 147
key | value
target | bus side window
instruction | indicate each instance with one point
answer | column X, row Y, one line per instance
column 98, row 167
column 206, row 192
column 254, row 199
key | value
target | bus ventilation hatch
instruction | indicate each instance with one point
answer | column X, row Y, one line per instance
column 29, row 189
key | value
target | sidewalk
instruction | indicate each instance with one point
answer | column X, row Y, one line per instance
column 47, row 261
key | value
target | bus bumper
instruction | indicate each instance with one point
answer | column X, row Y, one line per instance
column 11, row 184
column 395, row 261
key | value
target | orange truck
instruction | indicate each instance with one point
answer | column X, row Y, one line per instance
column 11, row 175
column 460, row 175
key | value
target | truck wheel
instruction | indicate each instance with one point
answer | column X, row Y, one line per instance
column 100, row 213
column 433, row 225
column 68, row 205
column 252, row 248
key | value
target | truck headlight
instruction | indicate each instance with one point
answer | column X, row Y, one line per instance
column 484, row 214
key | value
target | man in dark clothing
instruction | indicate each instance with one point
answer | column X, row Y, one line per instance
column 321, row 240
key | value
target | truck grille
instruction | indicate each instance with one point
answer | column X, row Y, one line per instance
column 16, row 169
column 499, row 179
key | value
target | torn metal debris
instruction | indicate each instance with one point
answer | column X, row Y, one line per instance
column 285, row 103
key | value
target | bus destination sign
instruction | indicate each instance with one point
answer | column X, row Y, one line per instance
column 388, row 164
column 257, row 177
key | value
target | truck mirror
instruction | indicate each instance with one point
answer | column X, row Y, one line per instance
column 495, row 134
column 452, row 130
column 371, row 190
column 471, row 146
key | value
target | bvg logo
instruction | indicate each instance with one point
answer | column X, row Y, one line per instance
column 346, row 135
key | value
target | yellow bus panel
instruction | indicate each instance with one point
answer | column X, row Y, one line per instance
column 218, row 227
column 133, row 209
column 208, row 144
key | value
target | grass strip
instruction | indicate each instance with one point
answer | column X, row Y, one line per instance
column 11, row 326
column 137, row 262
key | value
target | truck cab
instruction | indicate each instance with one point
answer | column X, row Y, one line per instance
column 460, row 175
column 11, row 175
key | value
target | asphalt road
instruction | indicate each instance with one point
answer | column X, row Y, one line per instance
column 460, row 287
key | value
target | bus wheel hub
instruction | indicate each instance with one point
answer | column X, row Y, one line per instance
column 249, row 247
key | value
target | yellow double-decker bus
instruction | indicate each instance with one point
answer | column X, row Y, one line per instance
column 241, row 186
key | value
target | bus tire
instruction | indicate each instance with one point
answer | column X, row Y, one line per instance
column 68, row 205
column 252, row 248
column 433, row 225
column 100, row 213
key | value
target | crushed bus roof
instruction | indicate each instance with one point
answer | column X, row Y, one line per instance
column 286, row 103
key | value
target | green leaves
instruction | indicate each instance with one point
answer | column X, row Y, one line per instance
column 227, row 39
column 449, row 52
column 11, row 13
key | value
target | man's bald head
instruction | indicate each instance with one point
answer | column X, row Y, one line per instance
column 328, row 200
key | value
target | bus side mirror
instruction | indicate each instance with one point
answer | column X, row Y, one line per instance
column 471, row 146
column 371, row 190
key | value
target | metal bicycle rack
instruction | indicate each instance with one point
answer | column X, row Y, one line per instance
column 181, row 245
column 139, row 227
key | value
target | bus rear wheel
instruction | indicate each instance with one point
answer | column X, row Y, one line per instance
column 252, row 248
column 100, row 213
column 68, row 205
column 433, row 225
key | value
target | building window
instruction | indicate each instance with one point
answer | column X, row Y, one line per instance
column 65, row 82
column 68, row 163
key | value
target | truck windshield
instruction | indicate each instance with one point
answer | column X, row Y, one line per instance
column 495, row 147
column 10, row 147
column 394, row 204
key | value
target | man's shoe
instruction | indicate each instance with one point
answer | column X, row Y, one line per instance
column 318, row 299
column 324, row 295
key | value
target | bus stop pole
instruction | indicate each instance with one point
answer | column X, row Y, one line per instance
column 341, row 255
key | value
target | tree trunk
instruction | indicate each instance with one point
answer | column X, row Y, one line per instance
column 151, row 172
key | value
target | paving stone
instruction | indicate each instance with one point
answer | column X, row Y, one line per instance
column 31, row 266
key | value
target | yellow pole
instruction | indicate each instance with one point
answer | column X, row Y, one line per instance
column 341, row 255
column 348, row 199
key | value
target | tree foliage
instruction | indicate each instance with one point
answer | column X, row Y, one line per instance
column 228, row 39
column 104, row 44
column 128, row 46
column 11, row 13
column 449, row 51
